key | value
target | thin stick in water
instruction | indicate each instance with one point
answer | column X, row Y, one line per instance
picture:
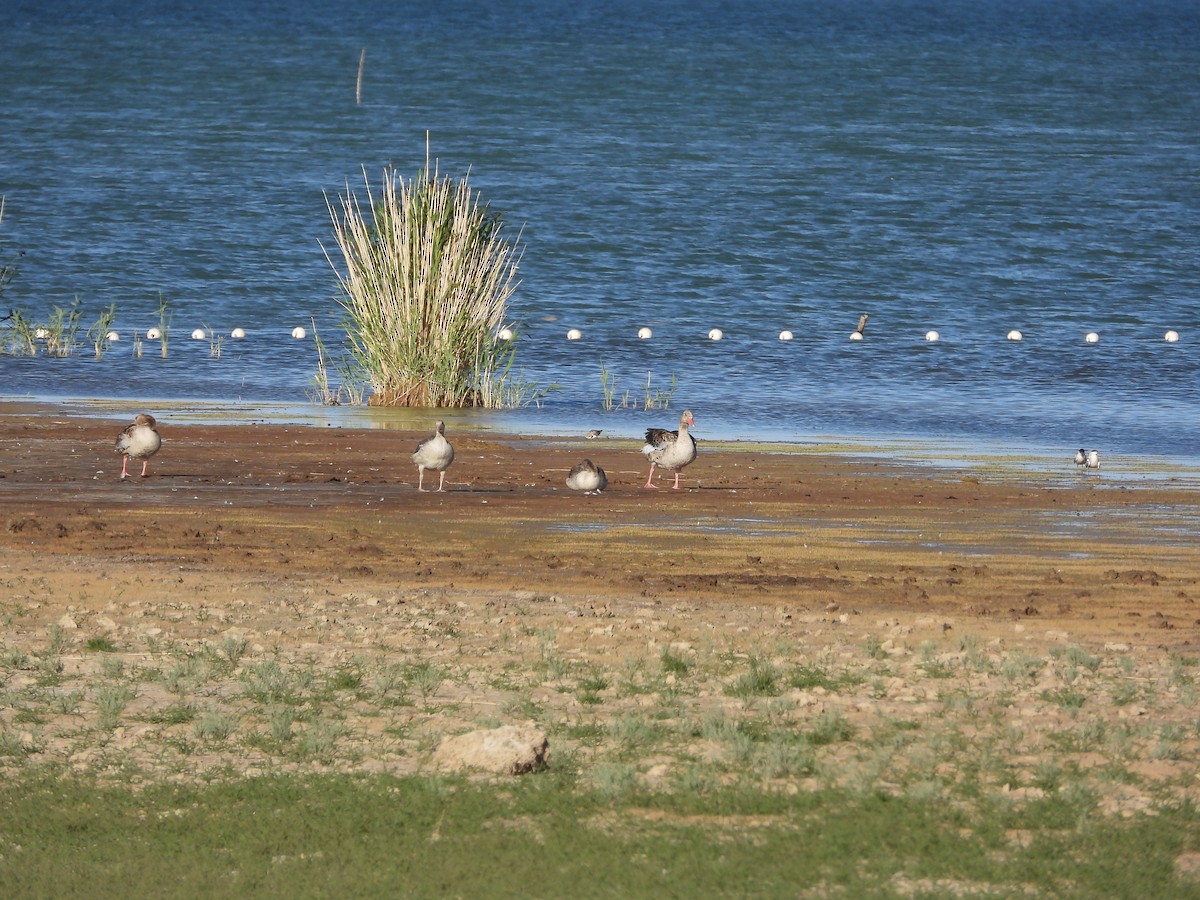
column 362, row 58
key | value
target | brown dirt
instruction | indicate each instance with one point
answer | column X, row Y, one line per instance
column 264, row 505
column 316, row 541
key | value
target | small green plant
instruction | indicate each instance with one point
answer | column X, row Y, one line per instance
column 673, row 664
column 608, row 387
column 100, row 643
column 590, row 686
column 20, row 337
column 830, row 727
column 99, row 330
column 760, row 681
column 216, row 342
column 61, row 331
column 658, row 398
column 215, row 726
column 111, row 700
column 165, row 315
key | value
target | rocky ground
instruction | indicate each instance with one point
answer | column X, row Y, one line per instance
column 281, row 598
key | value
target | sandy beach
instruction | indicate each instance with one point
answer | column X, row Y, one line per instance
column 310, row 549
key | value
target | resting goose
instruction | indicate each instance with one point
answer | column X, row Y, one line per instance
column 670, row 449
column 434, row 453
column 587, row 477
column 139, row 440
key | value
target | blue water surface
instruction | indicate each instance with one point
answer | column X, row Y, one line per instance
column 961, row 165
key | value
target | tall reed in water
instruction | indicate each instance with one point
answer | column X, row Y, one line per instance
column 426, row 284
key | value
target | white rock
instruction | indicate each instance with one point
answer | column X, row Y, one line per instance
column 507, row 750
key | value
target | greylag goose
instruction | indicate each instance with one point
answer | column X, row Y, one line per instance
column 670, row 449
column 1093, row 459
column 1080, row 456
column 139, row 440
column 434, row 453
column 587, row 477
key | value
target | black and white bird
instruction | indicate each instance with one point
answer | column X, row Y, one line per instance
column 1080, row 456
column 670, row 450
column 140, row 440
column 434, row 453
column 1093, row 459
column 587, row 477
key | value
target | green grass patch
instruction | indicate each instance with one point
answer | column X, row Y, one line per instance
column 549, row 835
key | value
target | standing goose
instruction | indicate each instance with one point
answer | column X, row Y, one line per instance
column 139, row 440
column 587, row 477
column 670, row 449
column 434, row 453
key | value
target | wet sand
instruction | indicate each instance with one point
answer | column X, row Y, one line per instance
column 1105, row 560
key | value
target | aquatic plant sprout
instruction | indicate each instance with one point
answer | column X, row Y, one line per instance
column 426, row 286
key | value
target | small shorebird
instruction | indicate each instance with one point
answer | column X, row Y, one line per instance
column 434, row 453
column 139, row 440
column 587, row 477
column 1093, row 459
column 670, row 449
column 1080, row 456
column 594, row 433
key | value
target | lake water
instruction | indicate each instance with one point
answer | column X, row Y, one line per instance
column 964, row 166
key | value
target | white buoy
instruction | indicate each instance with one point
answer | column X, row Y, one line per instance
column 785, row 335
column 1171, row 337
column 112, row 336
column 716, row 334
column 645, row 334
column 238, row 333
column 574, row 334
column 504, row 334
column 299, row 333
column 1092, row 338
column 932, row 336
column 1015, row 335
column 153, row 334
column 199, row 334
column 856, row 336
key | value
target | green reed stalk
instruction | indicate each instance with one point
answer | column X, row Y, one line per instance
column 427, row 281
column 98, row 332
column 165, row 315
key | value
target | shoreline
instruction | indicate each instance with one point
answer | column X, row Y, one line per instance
column 997, row 455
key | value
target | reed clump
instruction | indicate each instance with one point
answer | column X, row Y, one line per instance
column 427, row 280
